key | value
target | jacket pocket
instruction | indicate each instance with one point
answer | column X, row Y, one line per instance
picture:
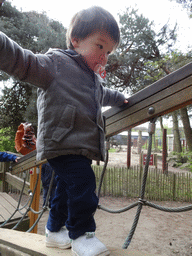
column 66, row 123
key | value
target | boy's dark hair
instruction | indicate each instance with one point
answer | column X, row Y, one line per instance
column 92, row 20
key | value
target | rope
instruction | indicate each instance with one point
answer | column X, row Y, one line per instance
column 29, row 201
column 45, row 207
column 141, row 201
column 140, row 204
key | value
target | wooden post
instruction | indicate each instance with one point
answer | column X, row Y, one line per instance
column 5, row 166
column 141, row 160
column 139, row 142
column 155, row 161
column 129, row 149
column 35, row 204
column 164, row 154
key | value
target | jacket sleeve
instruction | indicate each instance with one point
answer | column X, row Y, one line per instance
column 112, row 97
column 5, row 157
column 37, row 69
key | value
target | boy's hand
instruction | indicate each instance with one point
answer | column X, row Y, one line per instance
column 125, row 101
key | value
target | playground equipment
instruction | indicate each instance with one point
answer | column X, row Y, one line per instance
column 164, row 96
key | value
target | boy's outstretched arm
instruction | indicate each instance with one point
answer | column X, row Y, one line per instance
column 23, row 64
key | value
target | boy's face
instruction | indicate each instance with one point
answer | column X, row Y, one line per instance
column 95, row 48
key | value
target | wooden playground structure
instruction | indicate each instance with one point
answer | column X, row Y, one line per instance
column 164, row 96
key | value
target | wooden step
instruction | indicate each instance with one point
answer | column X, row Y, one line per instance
column 7, row 207
column 24, row 244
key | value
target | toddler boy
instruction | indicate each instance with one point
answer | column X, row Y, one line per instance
column 70, row 122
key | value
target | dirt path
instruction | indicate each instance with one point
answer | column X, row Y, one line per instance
column 158, row 233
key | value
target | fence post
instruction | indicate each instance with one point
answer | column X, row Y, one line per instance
column 155, row 161
column 174, row 186
column 35, row 204
column 141, row 160
column 5, row 167
column 164, row 155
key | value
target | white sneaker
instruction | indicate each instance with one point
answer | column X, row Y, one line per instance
column 88, row 245
column 58, row 239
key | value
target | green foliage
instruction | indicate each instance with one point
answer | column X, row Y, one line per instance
column 13, row 105
column 183, row 158
column 130, row 67
column 7, row 140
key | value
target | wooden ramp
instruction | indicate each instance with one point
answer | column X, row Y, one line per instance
column 7, row 207
column 21, row 244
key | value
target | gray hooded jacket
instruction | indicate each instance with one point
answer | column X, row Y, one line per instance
column 70, row 97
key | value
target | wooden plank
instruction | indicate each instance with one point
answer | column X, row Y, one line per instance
column 11, row 201
column 4, row 214
column 171, row 98
column 8, row 206
column 35, row 204
column 34, row 244
column 26, row 162
column 17, row 182
column 156, row 87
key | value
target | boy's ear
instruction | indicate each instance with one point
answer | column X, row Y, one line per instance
column 75, row 42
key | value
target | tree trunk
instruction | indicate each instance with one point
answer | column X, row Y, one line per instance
column 139, row 142
column 186, row 127
column 177, row 141
column 161, row 123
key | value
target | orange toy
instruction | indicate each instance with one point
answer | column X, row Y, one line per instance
column 25, row 140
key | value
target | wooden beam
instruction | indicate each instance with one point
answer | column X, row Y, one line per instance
column 166, row 95
column 26, row 162
column 17, row 182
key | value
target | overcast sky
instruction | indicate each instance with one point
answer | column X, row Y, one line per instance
column 160, row 11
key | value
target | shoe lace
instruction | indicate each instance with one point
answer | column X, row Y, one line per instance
column 90, row 235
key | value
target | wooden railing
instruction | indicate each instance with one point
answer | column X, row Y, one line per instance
column 164, row 96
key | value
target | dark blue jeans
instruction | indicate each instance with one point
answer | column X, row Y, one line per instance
column 75, row 201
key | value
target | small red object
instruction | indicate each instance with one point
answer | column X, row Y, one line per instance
column 102, row 73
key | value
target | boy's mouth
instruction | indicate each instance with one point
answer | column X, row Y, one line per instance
column 99, row 69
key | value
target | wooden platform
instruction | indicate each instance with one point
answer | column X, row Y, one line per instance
column 33, row 244
column 7, row 208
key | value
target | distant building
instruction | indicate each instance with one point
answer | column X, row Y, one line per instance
column 121, row 139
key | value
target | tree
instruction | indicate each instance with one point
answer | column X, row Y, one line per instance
column 37, row 33
column 186, row 127
column 177, row 141
column 144, row 56
column 187, row 4
column 13, row 104
column 7, row 141
column 130, row 67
